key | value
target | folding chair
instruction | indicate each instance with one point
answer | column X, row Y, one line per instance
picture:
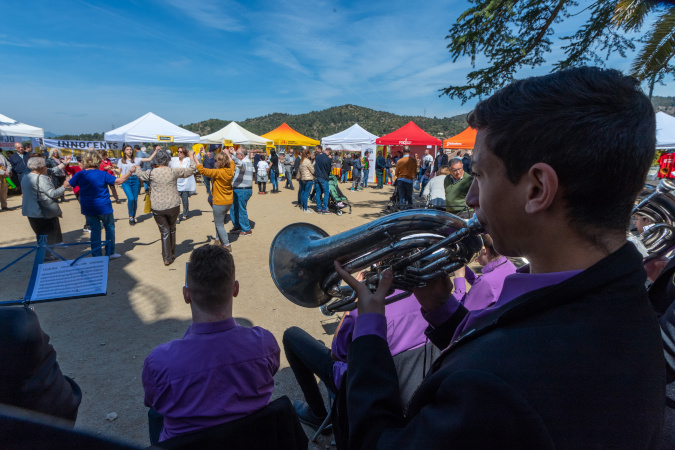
column 276, row 426
column 327, row 422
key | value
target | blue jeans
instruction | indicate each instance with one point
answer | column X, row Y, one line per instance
column 389, row 178
column 207, row 183
column 322, row 189
column 405, row 192
column 305, row 187
column 423, row 185
column 365, row 177
column 94, row 223
column 273, row 179
column 131, row 188
column 289, row 178
column 239, row 213
column 343, row 177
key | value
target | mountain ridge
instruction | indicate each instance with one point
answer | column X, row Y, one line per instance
column 319, row 124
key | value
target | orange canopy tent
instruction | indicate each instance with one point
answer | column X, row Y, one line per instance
column 464, row 140
column 285, row 135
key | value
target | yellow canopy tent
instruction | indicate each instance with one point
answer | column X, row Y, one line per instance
column 285, row 135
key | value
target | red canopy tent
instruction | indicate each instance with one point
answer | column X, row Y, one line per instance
column 412, row 135
column 464, row 140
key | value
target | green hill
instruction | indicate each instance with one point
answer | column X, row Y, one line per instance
column 665, row 104
column 318, row 124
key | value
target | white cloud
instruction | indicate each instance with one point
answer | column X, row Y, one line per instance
column 220, row 15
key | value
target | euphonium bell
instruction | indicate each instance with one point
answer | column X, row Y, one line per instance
column 418, row 245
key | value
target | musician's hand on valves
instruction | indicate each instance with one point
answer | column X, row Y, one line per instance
column 369, row 302
column 434, row 293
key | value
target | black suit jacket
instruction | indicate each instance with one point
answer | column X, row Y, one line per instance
column 19, row 162
column 575, row 365
column 30, row 377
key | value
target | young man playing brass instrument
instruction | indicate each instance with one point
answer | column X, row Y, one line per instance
column 570, row 356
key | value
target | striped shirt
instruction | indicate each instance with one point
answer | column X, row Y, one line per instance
column 243, row 174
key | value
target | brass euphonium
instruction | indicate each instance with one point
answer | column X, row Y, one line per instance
column 418, row 245
column 659, row 207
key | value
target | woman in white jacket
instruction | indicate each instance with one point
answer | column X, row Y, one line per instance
column 186, row 186
column 435, row 189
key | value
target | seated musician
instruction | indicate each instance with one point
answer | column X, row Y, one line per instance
column 570, row 356
column 219, row 371
column 309, row 357
column 485, row 289
column 30, row 377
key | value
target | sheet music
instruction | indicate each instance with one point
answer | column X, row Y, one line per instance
column 88, row 277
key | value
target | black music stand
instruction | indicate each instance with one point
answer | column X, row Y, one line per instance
column 41, row 250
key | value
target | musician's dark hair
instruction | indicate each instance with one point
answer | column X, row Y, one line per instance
column 210, row 277
column 595, row 127
column 489, row 245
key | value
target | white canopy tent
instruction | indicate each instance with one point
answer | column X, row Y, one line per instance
column 151, row 128
column 355, row 139
column 10, row 127
column 235, row 133
column 665, row 130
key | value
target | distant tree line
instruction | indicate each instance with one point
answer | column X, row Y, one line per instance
column 318, row 124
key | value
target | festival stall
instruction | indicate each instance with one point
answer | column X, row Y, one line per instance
column 665, row 131
column 462, row 141
column 234, row 134
column 287, row 136
column 12, row 131
column 354, row 139
column 410, row 134
column 151, row 128
column 665, row 141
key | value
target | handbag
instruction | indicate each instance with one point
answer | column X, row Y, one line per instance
column 147, row 209
column 48, row 208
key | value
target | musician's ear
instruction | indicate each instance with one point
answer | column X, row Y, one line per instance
column 186, row 295
column 235, row 289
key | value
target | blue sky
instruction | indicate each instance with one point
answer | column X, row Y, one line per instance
column 75, row 66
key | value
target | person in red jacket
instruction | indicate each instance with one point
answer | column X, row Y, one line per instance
column 107, row 166
column 72, row 170
column 667, row 163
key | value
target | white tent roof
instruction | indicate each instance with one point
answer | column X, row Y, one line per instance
column 150, row 128
column 10, row 127
column 665, row 130
column 352, row 135
column 235, row 133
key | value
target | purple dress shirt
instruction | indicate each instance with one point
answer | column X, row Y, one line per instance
column 486, row 288
column 217, row 373
column 515, row 285
column 403, row 327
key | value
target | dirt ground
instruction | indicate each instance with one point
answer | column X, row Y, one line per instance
column 101, row 342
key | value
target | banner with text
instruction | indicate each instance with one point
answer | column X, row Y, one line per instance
column 83, row 145
column 7, row 142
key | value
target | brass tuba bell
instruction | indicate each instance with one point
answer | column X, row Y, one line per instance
column 418, row 245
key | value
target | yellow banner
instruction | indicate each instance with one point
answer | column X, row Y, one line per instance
column 164, row 138
column 227, row 143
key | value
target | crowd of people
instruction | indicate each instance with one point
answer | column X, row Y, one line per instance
column 570, row 351
column 168, row 182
